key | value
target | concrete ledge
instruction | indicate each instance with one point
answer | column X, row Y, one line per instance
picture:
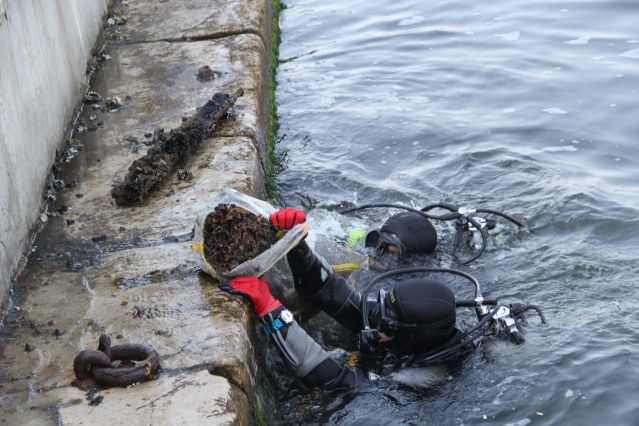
column 151, row 20
column 130, row 272
column 211, row 400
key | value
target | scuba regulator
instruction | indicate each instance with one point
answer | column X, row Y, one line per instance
column 493, row 318
column 467, row 220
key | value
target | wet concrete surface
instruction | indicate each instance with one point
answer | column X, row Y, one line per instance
column 130, row 272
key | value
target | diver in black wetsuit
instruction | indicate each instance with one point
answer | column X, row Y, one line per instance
column 415, row 316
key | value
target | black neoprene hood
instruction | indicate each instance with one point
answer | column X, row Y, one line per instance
column 424, row 302
column 414, row 230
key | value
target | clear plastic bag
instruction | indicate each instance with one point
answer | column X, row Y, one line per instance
column 259, row 264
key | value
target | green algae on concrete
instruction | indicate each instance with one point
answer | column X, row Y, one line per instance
column 272, row 162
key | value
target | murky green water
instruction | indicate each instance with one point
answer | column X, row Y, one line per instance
column 525, row 107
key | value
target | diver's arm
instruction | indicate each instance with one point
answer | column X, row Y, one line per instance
column 308, row 360
column 317, row 280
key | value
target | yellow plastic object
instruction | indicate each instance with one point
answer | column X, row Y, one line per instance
column 355, row 236
column 346, row 267
column 259, row 264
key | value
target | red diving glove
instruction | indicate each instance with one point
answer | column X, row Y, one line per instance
column 286, row 218
column 256, row 291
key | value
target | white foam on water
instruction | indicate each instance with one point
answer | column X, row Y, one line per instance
column 523, row 422
column 554, row 111
column 580, row 40
column 384, row 97
column 567, row 148
column 632, row 54
column 509, row 36
column 411, row 21
column 325, row 64
column 420, row 377
column 326, row 101
column 417, row 99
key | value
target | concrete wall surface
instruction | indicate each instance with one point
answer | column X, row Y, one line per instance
column 44, row 48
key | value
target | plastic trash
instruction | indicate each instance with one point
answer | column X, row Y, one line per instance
column 259, row 264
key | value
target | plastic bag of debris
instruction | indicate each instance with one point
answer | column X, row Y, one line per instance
column 234, row 236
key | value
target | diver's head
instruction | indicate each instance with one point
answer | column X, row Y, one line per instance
column 417, row 315
column 404, row 233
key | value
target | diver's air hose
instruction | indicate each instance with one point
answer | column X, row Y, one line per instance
column 396, row 206
column 462, row 339
column 505, row 216
column 369, row 287
column 455, row 214
column 447, row 349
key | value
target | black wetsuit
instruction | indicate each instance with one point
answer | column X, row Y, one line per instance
column 316, row 280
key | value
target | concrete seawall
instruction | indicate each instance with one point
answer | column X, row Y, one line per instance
column 44, row 49
column 129, row 272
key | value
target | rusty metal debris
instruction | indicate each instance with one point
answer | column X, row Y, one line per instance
column 93, row 367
